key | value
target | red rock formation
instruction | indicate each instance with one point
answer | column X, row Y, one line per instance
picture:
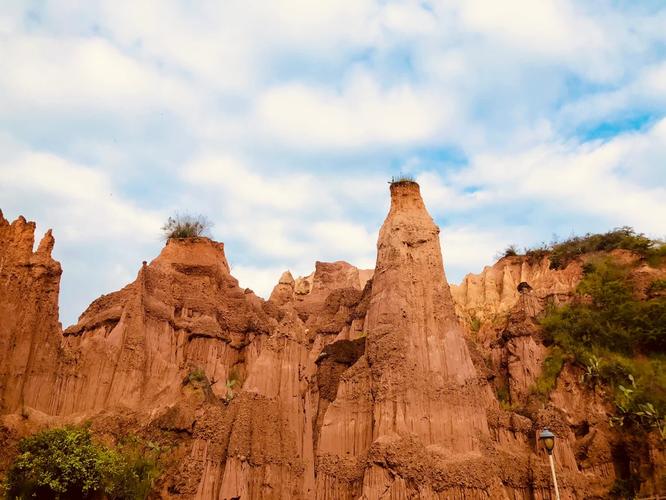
column 495, row 290
column 183, row 313
column 345, row 384
column 416, row 385
column 29, row 328
column 510, row 339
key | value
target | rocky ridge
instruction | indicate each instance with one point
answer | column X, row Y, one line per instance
column 346, row 383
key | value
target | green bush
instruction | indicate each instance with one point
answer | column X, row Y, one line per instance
column 608, row 316
column 618, row 340
column 656, row 256
column 183, row 226
column 552, row 366
column 563, row 252
column 625, row 488
column 475, row 324
column 197, row 375
column 657, row 287
column 536, row 255
column 620, row 238
column 67, row 463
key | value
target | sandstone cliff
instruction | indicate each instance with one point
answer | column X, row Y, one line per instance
column 496, row 289
column 345, row 384
column 29, row 328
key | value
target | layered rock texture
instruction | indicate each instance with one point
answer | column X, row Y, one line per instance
column 345, row 384
column 29, row 328
column 496, row 290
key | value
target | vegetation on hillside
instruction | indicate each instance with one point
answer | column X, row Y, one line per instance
column 186, row 226
column 618, row 339
column 561, row 253
column 67, row 463
column 402, row 178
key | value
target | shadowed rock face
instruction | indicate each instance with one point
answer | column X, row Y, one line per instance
column 345, row 384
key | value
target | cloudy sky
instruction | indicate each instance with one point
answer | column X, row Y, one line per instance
column 283, row 120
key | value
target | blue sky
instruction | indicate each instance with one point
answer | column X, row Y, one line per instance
column 282, row 122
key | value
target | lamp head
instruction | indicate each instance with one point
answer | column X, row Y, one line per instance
column 548, row 439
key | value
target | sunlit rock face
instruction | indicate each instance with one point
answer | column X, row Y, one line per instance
column 495, row 291
column 416, row 387
column 345, row 384
column 29, row 328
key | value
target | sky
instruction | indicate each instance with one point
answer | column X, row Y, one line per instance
column 282, row 121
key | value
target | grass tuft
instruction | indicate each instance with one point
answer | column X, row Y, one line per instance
column 182, row 226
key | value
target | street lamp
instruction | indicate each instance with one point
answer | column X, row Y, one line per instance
column 548, row 439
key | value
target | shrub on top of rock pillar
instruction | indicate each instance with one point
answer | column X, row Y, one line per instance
column 182, row 226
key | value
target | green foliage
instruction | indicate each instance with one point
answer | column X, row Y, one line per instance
column 561, row 253
column 186, row 226
column 640, row 398
column 233, row 380
column 625, row 488
column 229, row 384
column 592, row 374
column 552, row 366
column 475, row 324
column 503, row 394
column 67, row 463
column 537, row 254
column 620, row 238
column 197, row 375
column 608, row 317
column 657, row 287
column 619, row 341
column 656, row 256
column 504, row 398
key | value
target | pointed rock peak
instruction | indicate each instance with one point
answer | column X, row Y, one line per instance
column 21, row 224
column 406, row 195
column 3, row 221
column 286, row 279
column 283, row 292
column 19, row 236
column 46, row 245
column 192, row 252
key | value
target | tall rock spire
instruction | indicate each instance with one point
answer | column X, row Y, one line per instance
column 414, row 396
column 418, row 357
column 29, row 328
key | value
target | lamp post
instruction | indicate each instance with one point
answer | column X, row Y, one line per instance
column 548, row 439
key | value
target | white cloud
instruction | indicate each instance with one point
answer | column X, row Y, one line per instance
column 260, row 280
column 79, row 74
column 226, row 173
column 442, row 196
column 361, row 114
column 323, row 25
column 289, row 215
column 547, row 26
column 347, row 239
column 468, row 248
column 653, row 81
column 595, row 179
column 80, row 200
